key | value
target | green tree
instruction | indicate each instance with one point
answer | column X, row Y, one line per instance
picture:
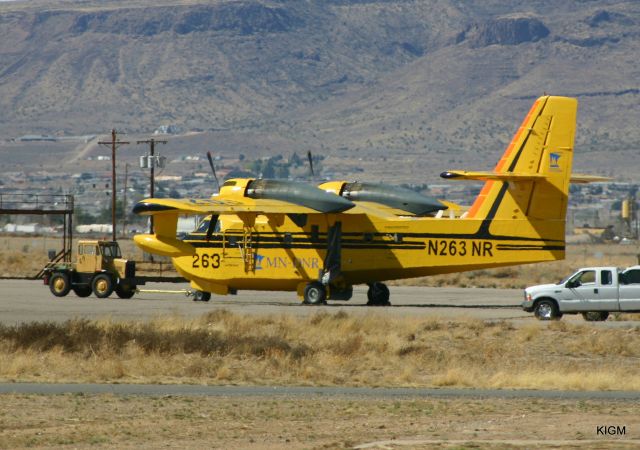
column 105, row 215
column 295, row 160
column 81, row 217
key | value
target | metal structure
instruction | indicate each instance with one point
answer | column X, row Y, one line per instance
column 114, row 143
column 42, row 205
column 152, row 164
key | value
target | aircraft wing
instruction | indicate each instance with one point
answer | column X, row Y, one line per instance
column 152, row 206
column 376, row 209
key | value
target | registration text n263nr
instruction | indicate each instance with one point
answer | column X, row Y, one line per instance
column 459, row 247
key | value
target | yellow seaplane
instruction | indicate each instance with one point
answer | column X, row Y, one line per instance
column 320, row 241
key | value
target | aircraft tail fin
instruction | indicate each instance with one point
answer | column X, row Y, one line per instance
column 531, row 180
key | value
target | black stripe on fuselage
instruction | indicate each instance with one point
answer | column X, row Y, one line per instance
column 369, row 246
column 262, row 238
column 405, row 236
column 355, row 245
column 529, row 247
column 316, row 246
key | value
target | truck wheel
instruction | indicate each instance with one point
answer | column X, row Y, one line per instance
column 125, row 292
column 59, row 284
column 546, row 310
column 595, row 316
column 82, row 291
column 102, row 285
column 201, row 296
column 315, row 294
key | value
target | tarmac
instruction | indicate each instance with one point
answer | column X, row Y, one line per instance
column 31, row 300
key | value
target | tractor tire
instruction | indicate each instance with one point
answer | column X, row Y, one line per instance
column 82, row 291
column 125, row 292
column 102, row 285
column 59, row 284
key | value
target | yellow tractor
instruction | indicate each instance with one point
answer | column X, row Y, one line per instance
column 98, row 268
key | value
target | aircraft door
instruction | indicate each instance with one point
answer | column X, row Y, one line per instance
column 239, row 246
column 630, row 290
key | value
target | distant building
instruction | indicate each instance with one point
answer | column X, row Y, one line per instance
column 167, row 129
column 28, row 228
column 37, row 138
column 95, row 228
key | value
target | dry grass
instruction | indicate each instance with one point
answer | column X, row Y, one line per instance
column 324, row 349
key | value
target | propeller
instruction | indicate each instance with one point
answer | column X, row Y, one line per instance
column 213, row 169
column 313, row 175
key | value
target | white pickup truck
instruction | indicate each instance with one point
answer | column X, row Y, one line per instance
column 592, row 291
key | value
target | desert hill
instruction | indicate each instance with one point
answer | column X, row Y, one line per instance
column 403, row 86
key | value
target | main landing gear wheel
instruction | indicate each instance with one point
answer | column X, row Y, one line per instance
column 378, row 295
column 102, row 285
column 315, row 294
column 201, row 296
column 59, row 284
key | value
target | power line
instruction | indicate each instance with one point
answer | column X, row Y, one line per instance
column 114, row 143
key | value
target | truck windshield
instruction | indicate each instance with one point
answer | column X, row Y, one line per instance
column 112, row 250
column 565, row 279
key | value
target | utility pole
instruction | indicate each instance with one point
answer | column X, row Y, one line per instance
column 152, row 164
column 114, row 145
column 124, row 201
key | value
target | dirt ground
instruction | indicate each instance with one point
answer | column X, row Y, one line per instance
column 106, row 421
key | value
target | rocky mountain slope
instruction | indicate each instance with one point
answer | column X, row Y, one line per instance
column 404, row 82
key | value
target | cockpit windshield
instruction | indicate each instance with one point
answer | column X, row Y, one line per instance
column 204, row 225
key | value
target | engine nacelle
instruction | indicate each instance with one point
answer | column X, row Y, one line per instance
column 298, row 193
column 392, row 196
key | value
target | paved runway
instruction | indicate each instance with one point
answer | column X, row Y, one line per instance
column 25, row 301
column 305, row 391
column 22, row 300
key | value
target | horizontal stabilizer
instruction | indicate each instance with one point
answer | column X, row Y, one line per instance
column 495, row 176
column 512, row 176
column 580, row 178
